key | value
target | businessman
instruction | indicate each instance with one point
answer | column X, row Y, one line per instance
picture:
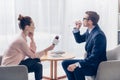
column 95, row 48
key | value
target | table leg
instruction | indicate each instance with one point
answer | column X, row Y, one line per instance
column 51, row 72
column 51, row 69
column 55, row 70
column 53, row 76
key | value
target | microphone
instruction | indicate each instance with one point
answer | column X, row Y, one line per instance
column 56, row 40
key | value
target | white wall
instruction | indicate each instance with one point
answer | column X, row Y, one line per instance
column 54, row 17
column 75, row 9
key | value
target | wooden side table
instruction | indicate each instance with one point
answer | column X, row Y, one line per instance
column 53, row 64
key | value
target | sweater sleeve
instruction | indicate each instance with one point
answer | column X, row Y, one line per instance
column 27, row 51
column 33, row 47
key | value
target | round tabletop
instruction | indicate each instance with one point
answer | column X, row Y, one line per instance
column 55, row 56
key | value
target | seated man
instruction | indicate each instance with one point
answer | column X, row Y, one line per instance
column 95, row 48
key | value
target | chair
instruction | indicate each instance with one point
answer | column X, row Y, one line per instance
column 110, row 69
column 18, row 72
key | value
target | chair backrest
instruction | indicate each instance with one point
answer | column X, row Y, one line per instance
column 0, row 59
column 114, row 54
column 17, row 72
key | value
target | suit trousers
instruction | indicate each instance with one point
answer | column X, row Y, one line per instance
column 78, row 73
column 33, row 65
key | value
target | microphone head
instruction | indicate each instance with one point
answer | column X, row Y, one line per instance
column 56, row 40
column 57, row 37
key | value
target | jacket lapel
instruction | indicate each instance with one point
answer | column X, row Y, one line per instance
column 91, row 35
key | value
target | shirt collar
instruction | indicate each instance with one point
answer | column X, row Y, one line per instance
column 89, row 30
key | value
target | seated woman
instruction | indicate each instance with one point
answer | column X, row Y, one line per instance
column 19, row 49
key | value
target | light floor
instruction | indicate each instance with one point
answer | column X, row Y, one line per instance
column 46, row 72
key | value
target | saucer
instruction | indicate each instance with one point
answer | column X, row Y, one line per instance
column 56, row 55
column 58, row 52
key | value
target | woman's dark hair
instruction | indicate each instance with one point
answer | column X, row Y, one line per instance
column 24, row 20
column 93, row 16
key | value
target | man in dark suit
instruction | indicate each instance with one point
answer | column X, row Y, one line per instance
column 95, row 48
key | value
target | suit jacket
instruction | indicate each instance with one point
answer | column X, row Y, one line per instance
column 95, row 47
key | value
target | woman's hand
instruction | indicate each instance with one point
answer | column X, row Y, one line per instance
column 31, row 35
column 32, row 43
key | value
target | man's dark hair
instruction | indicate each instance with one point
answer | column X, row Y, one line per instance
column 93, row 16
